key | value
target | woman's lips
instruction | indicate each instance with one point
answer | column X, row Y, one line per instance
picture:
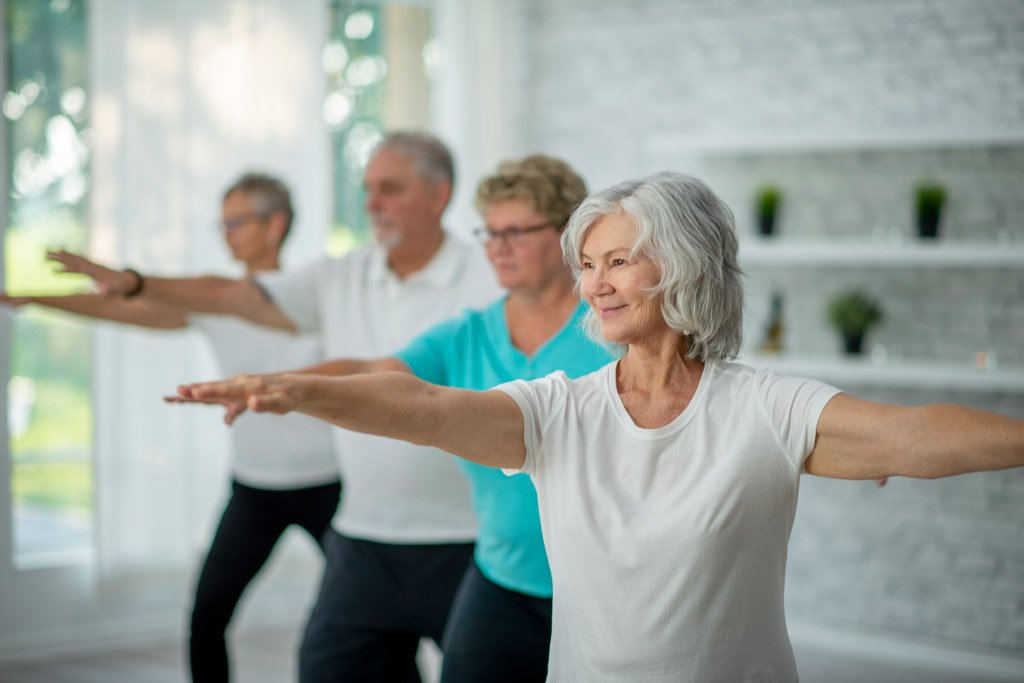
column 606, row 311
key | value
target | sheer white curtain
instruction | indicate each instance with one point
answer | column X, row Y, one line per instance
column 187, row 94
column 478, row 104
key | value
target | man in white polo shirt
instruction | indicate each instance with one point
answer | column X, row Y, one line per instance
column 403, row 535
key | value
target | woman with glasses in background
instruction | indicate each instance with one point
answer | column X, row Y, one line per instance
column 283, row 473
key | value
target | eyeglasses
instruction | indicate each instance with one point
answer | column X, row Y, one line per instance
column 232, row 224
column 513, row 235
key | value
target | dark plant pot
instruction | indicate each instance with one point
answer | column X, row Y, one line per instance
column 853, row 344
column 928, row 224
column 766, row 224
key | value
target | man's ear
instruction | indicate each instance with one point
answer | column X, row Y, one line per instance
column 442, row 195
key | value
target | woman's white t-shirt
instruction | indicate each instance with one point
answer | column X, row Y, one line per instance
column 668, row 546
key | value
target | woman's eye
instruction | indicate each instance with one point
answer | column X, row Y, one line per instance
column 587, row 265
column 619, row 262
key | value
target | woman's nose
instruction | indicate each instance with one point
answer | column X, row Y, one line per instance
column 596, row 283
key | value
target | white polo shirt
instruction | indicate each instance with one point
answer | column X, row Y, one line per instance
column 268, row 452
column 395, row 492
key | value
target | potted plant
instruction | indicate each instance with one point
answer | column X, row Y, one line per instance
column 930, row 198
column 767, row 201
column 853, row 313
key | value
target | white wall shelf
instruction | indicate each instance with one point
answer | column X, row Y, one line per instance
column 864, row 372
column 782, row 252
column 720, row 143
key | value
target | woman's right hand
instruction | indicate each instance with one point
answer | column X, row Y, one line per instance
column 108, row 280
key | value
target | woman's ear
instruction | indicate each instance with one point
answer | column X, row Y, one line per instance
column 277, row 228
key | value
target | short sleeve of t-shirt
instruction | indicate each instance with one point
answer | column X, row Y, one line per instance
column 428, row 354
column 540, row 401
column 297, row 294
column 794, row 405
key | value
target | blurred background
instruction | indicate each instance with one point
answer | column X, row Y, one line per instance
column 873, row 154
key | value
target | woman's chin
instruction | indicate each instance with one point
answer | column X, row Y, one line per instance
column 612, row 336
column 509, row 284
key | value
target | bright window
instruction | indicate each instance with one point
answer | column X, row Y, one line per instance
column 45, row 102
column 377, row 59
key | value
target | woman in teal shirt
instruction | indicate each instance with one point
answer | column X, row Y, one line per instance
column 499, row 628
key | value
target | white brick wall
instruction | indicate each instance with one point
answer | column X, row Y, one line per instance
column 888, row 92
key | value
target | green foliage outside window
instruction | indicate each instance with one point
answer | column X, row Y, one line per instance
column 355, row 69
column 47, row 178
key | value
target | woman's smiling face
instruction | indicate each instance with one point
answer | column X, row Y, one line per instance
column 617, row 285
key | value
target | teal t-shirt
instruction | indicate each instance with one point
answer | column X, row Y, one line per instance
column 475, row 351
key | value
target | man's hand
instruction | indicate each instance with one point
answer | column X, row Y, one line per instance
column 261, row 394
column 108, row 280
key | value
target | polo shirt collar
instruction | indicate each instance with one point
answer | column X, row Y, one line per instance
column 440, row 271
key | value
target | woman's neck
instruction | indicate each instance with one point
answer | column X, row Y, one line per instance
column 262, row 264
column 534, row 317
column 661, row 363
column 656, row 382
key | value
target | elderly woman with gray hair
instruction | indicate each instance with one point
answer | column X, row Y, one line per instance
column 667, row 480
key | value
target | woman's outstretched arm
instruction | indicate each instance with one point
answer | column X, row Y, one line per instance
column 131, row 311
column 485, row 427
column 203, row 294
column 860, row 439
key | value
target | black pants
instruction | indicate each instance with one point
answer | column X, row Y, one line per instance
column 253, row 521
column 376, row 601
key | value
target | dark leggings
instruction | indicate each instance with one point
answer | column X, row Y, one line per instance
column 253, row 521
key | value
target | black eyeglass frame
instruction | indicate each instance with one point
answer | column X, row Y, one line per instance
column 238, row 221
column 510, row 235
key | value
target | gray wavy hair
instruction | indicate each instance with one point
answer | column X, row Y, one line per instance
column 270, row 194
column 431, row 157
column 690, row 234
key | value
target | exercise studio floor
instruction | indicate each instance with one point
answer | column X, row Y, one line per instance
column 265, row 656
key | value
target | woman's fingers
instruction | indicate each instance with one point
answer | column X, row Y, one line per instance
column 13, row 301
column 238, row 394
column 70, row 263
column 106, row 279
column 278, row 402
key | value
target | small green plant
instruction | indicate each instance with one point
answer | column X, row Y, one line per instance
column 930, row 197
column 853, row 312
column 767, row 201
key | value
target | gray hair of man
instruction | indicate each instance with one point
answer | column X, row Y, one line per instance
column 431, row 157
column 690, row 235
column 269, row 195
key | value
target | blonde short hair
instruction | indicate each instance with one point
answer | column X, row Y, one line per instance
column 550, row 186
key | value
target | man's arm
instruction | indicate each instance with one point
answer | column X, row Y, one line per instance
column 207, row 294
column 865, row 440
column 485, row 427
column 131, row 311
